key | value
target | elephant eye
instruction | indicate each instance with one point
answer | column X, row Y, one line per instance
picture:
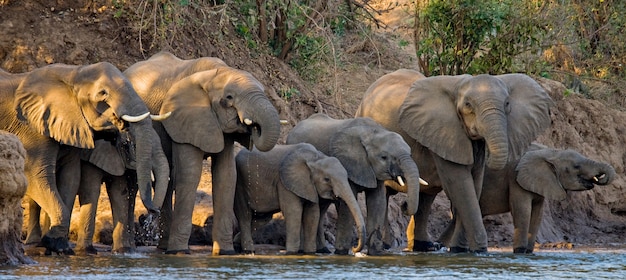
column 102, row 95
column 326, row 179
column 384, row 157
column 229, row 97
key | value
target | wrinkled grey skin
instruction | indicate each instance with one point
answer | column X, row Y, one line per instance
column 55, row 110
column 112, row 162
column 371, row 154
column 294, row 179
column 456, row 126
column 212, row 106
column 523, row 185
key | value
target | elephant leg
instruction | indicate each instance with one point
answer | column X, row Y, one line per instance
column 33, row 227
column 187, row 164
column 345, row 221
column 419, row 235
column 88, row 195
column 535, row 221
column 122, row 209
column 56, row 238
column 376, row 202
column 293, row 222
column 224, row 174
column 320, row 238
column 244, row 218
column 165, row 217
column 310, row 222
column 459, row 186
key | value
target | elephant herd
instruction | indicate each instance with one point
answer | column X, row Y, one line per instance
column 147, row 130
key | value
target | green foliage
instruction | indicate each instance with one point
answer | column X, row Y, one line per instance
column 473, row 36
column 289, row 93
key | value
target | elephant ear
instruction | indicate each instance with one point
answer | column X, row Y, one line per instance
column 45, row 101
column 536, row 173
column 347, row 146
column 295, row 172
column 106, row 157
column 529, row 112
column 193, row 120
column 429, row 115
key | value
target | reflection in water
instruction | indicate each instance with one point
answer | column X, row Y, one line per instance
column 550, row 264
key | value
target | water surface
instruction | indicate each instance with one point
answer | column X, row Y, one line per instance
column 561, row 264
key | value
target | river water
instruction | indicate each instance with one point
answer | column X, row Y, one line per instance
column 558, row 264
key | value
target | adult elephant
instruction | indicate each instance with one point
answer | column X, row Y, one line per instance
column 212, row 106
column 457, row 125
column 371, row 154
column 523, row 185
column 295, row 180
column 55, row 110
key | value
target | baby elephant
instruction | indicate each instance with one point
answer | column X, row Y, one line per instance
column 522, row 186
column 293, row 179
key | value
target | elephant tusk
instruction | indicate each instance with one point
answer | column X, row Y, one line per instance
column 400, row 181
column 247, row 121
column 423, row 182
column 160, row 117
column 134, row 119
column 284, row 122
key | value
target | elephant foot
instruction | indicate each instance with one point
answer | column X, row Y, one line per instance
column 59, row 245
column 227, row 252
column 248, row 252
column 456, row 249
column 124, row 250
column 426, row 246
column 86, row 251
column 522, row 250
column 291, row 253
column 482, row 250
column 178, row 252
column 324, row 250
column 343, row 252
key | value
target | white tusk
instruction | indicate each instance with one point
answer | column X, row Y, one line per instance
column 160, row 117
column 400, row 181
column 152, row 176
column 284, row 122
column 247, row 121
column 423, row 182
column 135, row 118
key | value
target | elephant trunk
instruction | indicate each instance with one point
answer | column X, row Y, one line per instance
column 411, row 174
column 266, row 123
column 604, row 174
column 144, row 139
column 496, row 140
column 161, row 169
column 351, row 202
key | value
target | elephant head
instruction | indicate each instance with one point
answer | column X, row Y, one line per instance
column 371, row 153
column 310, row 174
column 445, row 113
column 223, row 100
column 70, row 103
column 552, row 172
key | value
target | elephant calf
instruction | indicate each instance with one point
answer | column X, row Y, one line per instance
column 293, row 179
column 522, row 186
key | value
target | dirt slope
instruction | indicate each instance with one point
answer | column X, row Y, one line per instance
column 36, row 33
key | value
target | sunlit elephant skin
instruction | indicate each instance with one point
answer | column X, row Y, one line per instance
column 294, row 179
column 371, row 154
column 212, row 106
column 523, row 185
column 55, row 110
column 456, row 126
